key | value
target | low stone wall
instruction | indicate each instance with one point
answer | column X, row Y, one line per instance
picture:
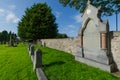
column 69, row 45
column 115, row 47
column 36, row 57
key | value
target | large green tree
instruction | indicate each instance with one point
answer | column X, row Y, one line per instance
column 108, row 7
column 37, row 23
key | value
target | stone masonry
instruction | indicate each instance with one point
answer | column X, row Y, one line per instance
column 69, row 45
column 95, row 44
column 115, row 47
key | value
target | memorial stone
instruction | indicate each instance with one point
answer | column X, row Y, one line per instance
column 38, row 59
column 94, row 40
column 31, row 50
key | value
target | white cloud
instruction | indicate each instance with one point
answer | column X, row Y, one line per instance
column 2, row 11
column 57, row 14
column 11, row 17
column 12, row 7
column 78, row 18
column 71, row 30
column 71, row 26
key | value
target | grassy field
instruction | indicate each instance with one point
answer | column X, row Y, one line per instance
column 15, row 63
column 59, row 65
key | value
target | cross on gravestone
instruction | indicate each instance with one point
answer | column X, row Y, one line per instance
column 31, row 50
column 38, row 59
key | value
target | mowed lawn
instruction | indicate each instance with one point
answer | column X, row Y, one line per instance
column 59, row 65
column 15, row 63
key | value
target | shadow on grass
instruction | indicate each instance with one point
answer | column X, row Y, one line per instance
column 53, row 63
column 11, row 46
column 45, row 52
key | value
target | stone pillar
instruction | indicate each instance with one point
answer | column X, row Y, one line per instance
column 103, row 40
column 38, row 59
column 31, row 50
column 81, row 41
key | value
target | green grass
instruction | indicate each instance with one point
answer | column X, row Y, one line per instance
column 15, row 63
column 59, row 65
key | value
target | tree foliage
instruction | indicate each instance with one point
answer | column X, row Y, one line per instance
column 59, row 35
column 108, row 7
column 5, row 36
column 37, row 23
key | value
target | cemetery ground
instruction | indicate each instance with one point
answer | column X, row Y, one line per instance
column 59, row 65
column 15, row 64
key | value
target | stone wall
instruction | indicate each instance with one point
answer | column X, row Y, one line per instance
column 69, row 45
column 115, row 47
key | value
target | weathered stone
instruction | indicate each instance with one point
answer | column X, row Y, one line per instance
column 95, row 41
column 69, row 45
column 115, row 47
column 40, row 74
column 38, row 59
column 44, row 44
column 40, row 42
column 29, row 44
column 11, row 42
column 31, row 50
column 73, row 45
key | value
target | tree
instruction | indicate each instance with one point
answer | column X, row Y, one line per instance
column 108, row 7
column 37, row 23
column 59, row 35
column 5, row 36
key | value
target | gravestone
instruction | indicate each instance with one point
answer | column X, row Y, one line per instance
column 29, row 44
column 31, row 50
column 94, row 47
column 44, row 44
column 11, row 42
column 38, row 59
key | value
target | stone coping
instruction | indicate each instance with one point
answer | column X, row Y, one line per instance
column 39, row 72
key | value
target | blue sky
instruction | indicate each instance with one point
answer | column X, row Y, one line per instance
column 68, row 19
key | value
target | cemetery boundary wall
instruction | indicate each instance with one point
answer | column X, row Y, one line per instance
column 71, row 45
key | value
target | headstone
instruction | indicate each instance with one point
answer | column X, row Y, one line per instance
column 11, row 42
column 94, row 47
column 29, row 44
column 31, row 50
column 38, row 59
column 44, row 44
